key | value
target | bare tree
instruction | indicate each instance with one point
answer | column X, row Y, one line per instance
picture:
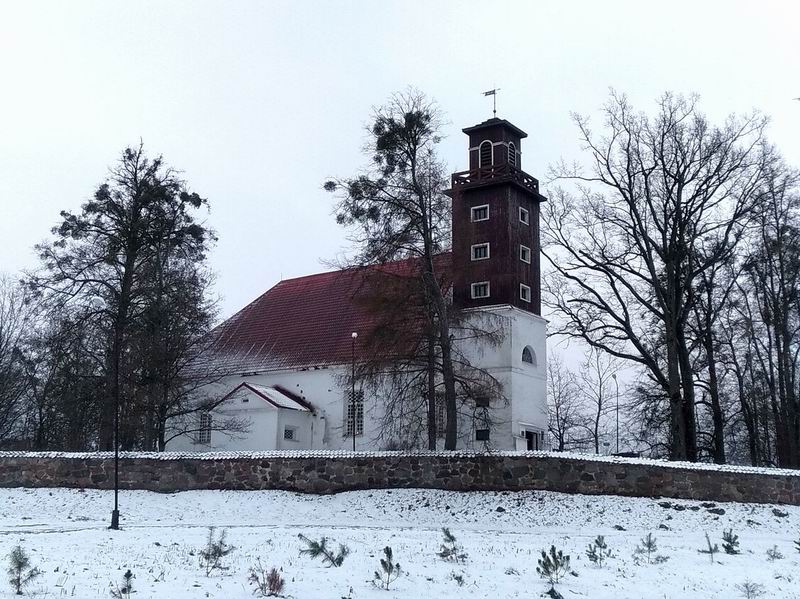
column 566, row 409
column 598, row 385
column 15, row 322
column 768, row 300
column 664, row 200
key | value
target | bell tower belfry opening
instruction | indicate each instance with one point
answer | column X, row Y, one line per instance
column 496, row 222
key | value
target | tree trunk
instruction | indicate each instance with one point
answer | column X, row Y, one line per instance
column 432, row 407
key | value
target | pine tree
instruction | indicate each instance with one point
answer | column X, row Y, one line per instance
column 450, row 550
column 730, row 542
column 20, row 571
column 215, row 550
column 390, row 570
column 320, row 549
column 598, row 551
column 124, row 591
column 647, row 547
column 712, row 549
column 553, row 566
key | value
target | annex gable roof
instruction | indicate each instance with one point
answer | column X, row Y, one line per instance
column 276, row 396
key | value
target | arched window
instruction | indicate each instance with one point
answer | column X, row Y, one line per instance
column 512, row 154
column 529, row 356
column 485, row 154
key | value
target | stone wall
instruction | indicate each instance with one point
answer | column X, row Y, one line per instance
column 332, row 472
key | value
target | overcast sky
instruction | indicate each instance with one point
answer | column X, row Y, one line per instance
column 258, row 102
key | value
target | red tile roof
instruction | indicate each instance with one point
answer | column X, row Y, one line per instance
column 307, row 322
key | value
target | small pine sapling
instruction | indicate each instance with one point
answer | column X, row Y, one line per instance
column 450, row 550
column 598, row 552
column 216, row 549
column 751, row 590
column 459, row 578
column 268, row 584
column 320, row 549
column 730, row 542
column 124, row 591
column 647, row 548
column 389, row 572
column 712, row 549
column 553, row 566
column 773, row 554
column 20, row 571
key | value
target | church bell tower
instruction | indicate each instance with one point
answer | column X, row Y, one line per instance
column 496, row 222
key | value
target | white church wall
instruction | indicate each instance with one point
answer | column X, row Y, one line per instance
column 322, row 430
column 262, row 433
column 524, row 385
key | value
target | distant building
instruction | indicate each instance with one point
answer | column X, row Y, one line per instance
column 287, row 355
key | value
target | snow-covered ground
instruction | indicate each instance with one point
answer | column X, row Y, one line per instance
column 64, row 532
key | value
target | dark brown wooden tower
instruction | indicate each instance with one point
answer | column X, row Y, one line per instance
column 496, row 222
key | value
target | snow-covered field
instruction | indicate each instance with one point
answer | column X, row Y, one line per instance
column 64, row 532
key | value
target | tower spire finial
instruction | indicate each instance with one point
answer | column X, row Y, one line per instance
column 493, row 93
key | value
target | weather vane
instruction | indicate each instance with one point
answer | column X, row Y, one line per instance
column 493, row 93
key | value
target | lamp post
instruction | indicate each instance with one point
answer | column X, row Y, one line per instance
column 98, row 303
column 353, row 336
column 614, row 376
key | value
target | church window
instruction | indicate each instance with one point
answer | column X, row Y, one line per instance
column 482, row 434
column 524, row 293
column 480, row 251
column 354, row 418
column 525, row 253
column 441, row 416
column 485, row 153
column 203, row 435
column 480, row 213
column 482, row 401
column 528, row 355
column 512, row 154
column 290, row 433
column 524, row 215
column 480, row 290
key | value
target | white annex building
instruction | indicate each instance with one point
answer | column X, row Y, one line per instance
column 286, row 357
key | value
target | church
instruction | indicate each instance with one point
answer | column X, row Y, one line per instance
column 285, row 358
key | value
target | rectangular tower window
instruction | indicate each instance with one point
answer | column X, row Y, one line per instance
column 480, row 213
column 482, row 434
column 354, row 414
column 525, row 254
column 480, row 251
column 480, row 290
column 290, row 433
column 524, row 293
column 524, row 215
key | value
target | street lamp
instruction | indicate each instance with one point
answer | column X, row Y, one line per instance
column 614, row 376
column 98, row 303
column 353, row 336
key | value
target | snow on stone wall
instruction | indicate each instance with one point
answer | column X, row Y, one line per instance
column 336, row 471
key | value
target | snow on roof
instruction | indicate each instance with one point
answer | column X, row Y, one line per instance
column 276, row 396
